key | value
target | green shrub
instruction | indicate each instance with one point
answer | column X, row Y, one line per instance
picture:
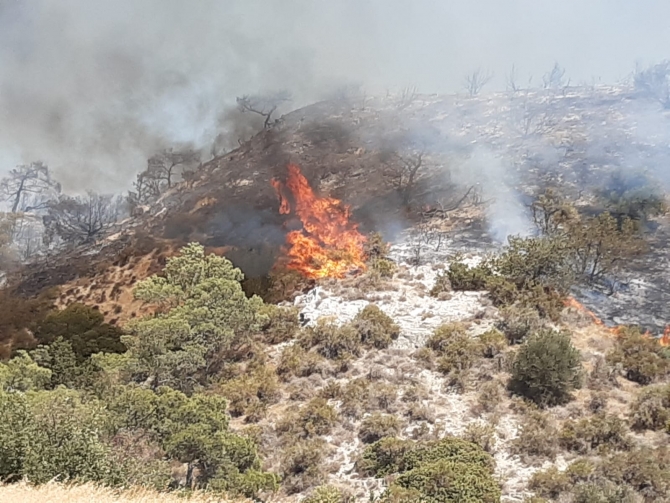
column 546, row 369
column 645, row 470
column 457, row 351
column 296, row 361
column 537, row 438
column 326, row 494
column 549, row 483
column 442, row 284
column 598, row 432
column 481, row 434
column 642, row 358
column 376, row 328
column 651, row 409
column 447, row 481
column 331, row 340
column 385, row 267
column 493, row 343
column 465, row 278
column 378, row 426
column 518, row 322
column 316, row 418
column 55, row 434
column 384, row 457
column 390, row 455
column 581, row 470
column 301, row 465
column 251, row 390
column 447, row 470
column 283, row 324
column 489, row 397
column 84, row 328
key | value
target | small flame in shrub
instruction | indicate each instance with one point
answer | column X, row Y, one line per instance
column 329, row 244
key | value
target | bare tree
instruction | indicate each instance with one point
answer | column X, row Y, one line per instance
column 264, row 106
column 512, row 81
column 555, row 79
column 163, row 171
column 29, row 187
column 654, row 82
column 78, row 220
column 407, row 96
column 476, row 81
column 403, row 170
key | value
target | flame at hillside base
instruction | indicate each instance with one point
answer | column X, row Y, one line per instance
column 329, row 244
column 663, row 340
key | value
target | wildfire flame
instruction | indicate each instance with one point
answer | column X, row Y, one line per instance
column 329, row 244
column 664, row 340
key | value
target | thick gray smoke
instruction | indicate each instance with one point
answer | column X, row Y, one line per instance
column 93, row 87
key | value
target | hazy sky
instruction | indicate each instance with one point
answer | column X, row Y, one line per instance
column 92, row 87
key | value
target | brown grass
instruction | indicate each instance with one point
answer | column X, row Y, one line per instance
column 54, row 492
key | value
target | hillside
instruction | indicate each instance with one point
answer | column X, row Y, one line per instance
column 444, row 179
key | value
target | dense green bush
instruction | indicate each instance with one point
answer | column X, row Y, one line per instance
column 84, row 328
column 202, row 312
column 492, row 343
column 447, row 470
column 245, row 393
column 601, row 431
column 546, row 369
column 326, row 494
column 331, row 340
column 549, row 483
column 642, row 358
column 651, row 409
column 537, row 439
column 55, row 434
column 301, row 465
column 378, row 426
column 518, row 322
column 465, row 278
column 456, row 350
column 315, row 418
column 296, row 361
column 447, row 481
column 282, row 324
column 442, row 284
column 375, row 328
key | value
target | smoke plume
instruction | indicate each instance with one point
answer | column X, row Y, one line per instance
column 94, row 87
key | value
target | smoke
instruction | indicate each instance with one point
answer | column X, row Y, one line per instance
column 94, row 87
column 506, row 214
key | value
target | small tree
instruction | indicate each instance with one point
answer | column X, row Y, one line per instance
column 163, row 171
column 555, row 78
column 264, row 106
column 29, row 187
column 80, row 219
column 654, row 82
column 202, row 311
column 546, row 369
column 476, row 81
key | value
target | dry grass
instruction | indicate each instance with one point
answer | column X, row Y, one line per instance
column 54, row 492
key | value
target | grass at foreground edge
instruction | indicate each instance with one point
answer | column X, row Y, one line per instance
column 55, row 492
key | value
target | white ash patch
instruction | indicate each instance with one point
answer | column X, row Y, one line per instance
column 408, row 304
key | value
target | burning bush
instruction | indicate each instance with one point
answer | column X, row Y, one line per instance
column 546, row 369
column 642, row 358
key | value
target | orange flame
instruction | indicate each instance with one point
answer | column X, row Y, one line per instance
column 664, row 340
column 329, row 244
column 572, row 302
